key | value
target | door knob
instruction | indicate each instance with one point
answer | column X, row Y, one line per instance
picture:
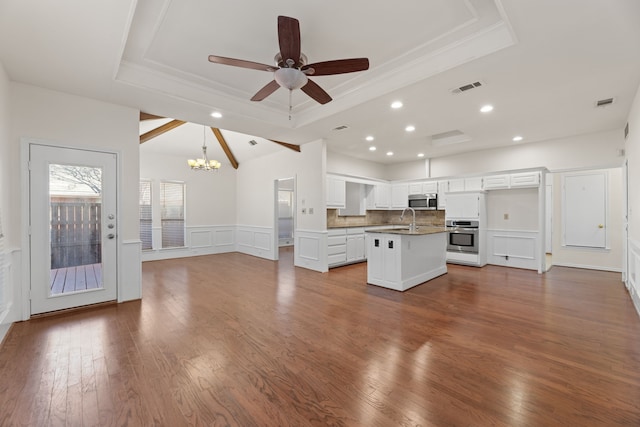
column 600, row 226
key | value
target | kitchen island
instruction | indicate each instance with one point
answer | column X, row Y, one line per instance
column 401, row 258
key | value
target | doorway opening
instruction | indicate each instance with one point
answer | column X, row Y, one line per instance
column 285, row 217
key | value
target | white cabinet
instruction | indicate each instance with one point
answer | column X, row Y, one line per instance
column 525, row 179
column 336, row 247
column 383, row 263
column 443, row 188
column 514, row 180
column 428, row 187
column 399, row 196
column 473, row 184
column 497, row 182
column 456, row 185
column 355, row 245
column 415, row 188
column 382, row 196
column 336, row 192
column 345, row 245
column 465, row 205
column 465, row 184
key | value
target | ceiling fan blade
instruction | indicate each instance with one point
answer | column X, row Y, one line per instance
column 266, row 91
column 316, row 92
column 289, row 39
column 241, row 63
column 338, row 66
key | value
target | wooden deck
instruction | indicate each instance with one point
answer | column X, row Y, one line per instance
column 74, row 279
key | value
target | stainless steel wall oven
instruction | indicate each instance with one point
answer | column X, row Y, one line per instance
column 463, row 236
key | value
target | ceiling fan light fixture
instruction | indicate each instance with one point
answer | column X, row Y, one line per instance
column 290, row 78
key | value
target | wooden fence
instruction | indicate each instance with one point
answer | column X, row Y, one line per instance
column 75, row 233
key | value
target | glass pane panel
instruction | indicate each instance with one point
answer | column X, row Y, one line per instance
column 75, row 201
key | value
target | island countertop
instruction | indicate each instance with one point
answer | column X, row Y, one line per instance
column 419, row 231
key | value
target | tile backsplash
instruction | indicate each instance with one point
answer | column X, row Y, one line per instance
column 385, row 217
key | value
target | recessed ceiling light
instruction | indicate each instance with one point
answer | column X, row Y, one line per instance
column 369, row 138
column 420, row 154
column 486, row 108
column 372, row 148
column 389, row 153
column 396, row 104
column 517, row 138
column 410, row 128
column 216, row 115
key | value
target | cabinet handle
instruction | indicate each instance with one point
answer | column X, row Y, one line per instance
column 600, row 226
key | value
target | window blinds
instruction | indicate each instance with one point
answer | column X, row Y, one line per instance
column 145, row 215
column 172, row 213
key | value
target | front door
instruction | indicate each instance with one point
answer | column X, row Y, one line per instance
column 73, row 236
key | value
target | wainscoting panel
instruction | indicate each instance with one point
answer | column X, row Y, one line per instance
column 311, row 250
column 256, row 241
column 200, row 240
column 513, row 248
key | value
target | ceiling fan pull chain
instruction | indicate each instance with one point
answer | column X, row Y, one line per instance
column 290, row 92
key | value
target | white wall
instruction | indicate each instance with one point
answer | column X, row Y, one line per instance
column 601, row 259
column 519, row 204
column 210, row 196
column 409, row 170
column 85, row 123
column 632, row 149
column 596, row 150
column 339, row 163
column 256, row 179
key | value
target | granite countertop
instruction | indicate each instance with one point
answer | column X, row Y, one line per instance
column 421, row 230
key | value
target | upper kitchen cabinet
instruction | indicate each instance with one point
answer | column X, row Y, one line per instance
column 525, row 179
column 381, row 196
column 399, row 196
column 429, row 187
column 497, row 182
column 336, row 192
column 514, row 180
column 465, row 184
column 465, row 205
column 443, row 188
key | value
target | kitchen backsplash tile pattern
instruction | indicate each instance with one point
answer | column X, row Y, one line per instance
column 385, row 217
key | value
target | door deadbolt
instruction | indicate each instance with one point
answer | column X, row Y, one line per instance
column 111, row 236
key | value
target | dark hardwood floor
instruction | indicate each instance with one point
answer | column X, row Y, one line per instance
column 236, row 340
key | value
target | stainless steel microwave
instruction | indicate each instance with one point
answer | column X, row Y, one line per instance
column 424, row 201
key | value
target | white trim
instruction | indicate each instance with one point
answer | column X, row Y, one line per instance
column 256, row 241
column 587, row 267
column 311, row 250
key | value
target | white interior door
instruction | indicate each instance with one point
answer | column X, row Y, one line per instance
column 73, row 238
column 585, row 210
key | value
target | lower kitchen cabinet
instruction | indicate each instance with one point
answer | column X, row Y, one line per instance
column 355, row 245
column 345, row 246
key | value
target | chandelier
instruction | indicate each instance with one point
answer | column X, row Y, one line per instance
column 204, row 164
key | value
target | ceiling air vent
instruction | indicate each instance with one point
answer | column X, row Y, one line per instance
column 467, row 87
column 343, row 127
column 604, row 102
column 252, row 142
column 449, row 138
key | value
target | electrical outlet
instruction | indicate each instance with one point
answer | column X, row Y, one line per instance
column 506, row 216
column 310, row 211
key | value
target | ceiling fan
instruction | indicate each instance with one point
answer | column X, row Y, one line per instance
column 291, row 70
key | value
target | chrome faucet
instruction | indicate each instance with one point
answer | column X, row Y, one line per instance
column 412, row 226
